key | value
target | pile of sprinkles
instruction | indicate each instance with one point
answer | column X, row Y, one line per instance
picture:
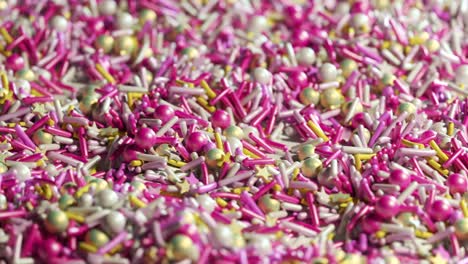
column 250, row 131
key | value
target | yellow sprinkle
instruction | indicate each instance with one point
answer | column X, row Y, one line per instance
column 412, row 144
column 104, row 73
column 207, row 89
column 221, row 202
column 380, row 234
column 5, row 82
column 228, row 68
column 136, row 163
column 422, row 234
column 450, row 128
column 240, row 189
column 75, row 216
column 295, row 173
column 365, row 156
column 29, row 206
column 250, row 154
column 464, row 208
column 439, row 152
column 317, row 130
column 47, row 191
column 82, row 191
column 176, row 163
column 358, row 162
column 219, row 142
column 434, row 164
column 202, row 101
column 277, row 187
column 6, row 35
column 136, row 201
column 88, row 247
column 115, row 250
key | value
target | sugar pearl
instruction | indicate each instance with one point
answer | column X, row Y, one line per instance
column 116, row 221
column 328, row 72
column 208, row 203
column 305, row 56
column 124, row 20
column 258, row 24
column 107, row 198
column 262, row 75
column 21, row 172
column 59, row 23
column 107, row 7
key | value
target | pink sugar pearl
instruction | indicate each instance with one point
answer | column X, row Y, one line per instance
column 145, row 138
column 457, row 183
column 196, row 141
column 399, row 178
column 164, row 113
column 221, row 119
column 387, row 206
column 15, row 62
column 440, row 210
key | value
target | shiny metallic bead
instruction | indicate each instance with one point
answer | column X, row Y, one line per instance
column 311, row 167
column 305, row 151
column 56, row 221
column 268, row 204
column 309, row 96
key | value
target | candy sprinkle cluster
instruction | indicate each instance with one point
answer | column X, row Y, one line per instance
column 250, row 131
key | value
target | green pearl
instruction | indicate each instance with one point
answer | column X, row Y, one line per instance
column 347, row 106
column 138, row 185
column 213, row 156
column 87, row 102
column 191, row 52
column 105, row 43
column 461, row 228
column 234, row 131
column 268, row 204
column 96, row 237
column 331, row 98
column 56, row 221
column 309, row 96
column 66, row 201
column 347, row 67
column 406, row 107
column 41, row 137
column 305, row 151
column 126, row 45
column 26, row 74
column 146, row 15
column 311, row 167
column 3, row 167
column 182, row 247
column 100, row 184
column 388, row 79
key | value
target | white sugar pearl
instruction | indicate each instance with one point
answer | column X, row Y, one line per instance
column 342, row 8
column 360, row 20
column 262, row 75
column 461, row 75
column 262, row 244
column 327, row 72
column 124, row 20
column 305, row 56
column 224, row 235
column 258, row 24
column 414, row 14
column 51, row 170
column 107, row 7
column 207, row 202
column 59, row 23
column 3, row 202
column 23, row 87
column 107, row 198
column 22, row 172
column 86, row 200
column 234, row 143
column 116, row 221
